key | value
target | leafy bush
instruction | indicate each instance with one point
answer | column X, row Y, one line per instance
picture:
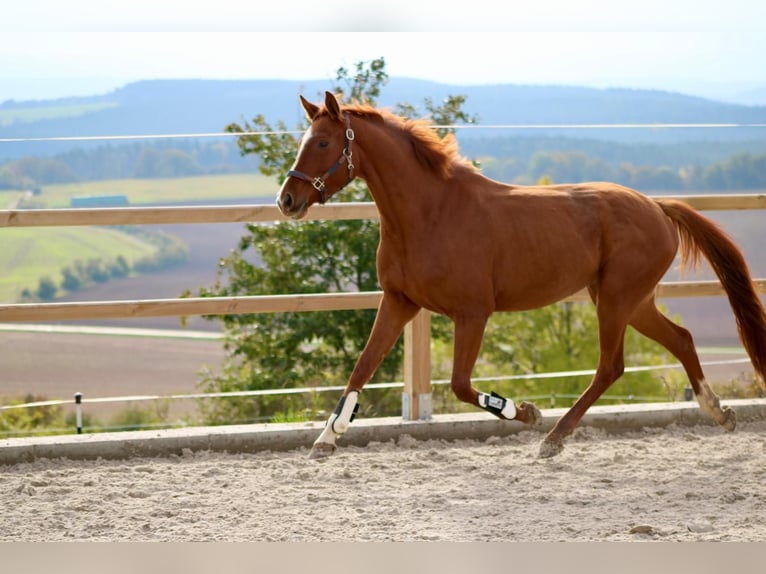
column 136, row 417
column 26, row 420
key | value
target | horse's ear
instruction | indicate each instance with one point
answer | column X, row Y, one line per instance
column 310, row 109
column 332, row 105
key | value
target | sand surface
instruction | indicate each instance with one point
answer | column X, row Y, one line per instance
column 670, row 484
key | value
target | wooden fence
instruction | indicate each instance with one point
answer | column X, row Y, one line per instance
column 417, row 336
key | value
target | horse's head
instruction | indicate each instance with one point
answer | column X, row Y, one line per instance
column 323, row 166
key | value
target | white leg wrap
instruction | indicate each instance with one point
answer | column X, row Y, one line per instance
column 497, row 405
column 711, row 404
column 342, row 416
column 707, row 399
column 339, row 421
column 336, row 425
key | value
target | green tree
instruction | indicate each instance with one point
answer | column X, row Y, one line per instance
column 569, row 166
column 43, row 170
column 742, row 171
column 119, row 267
column 71, row 280
column 9, row 179
column 46, row 289
column 96, row 270
column 153, row 162
column 448, row 113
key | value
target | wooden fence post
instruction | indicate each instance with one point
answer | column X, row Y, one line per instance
column 416, row 398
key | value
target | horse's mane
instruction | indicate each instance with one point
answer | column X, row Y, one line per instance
column 440, row 155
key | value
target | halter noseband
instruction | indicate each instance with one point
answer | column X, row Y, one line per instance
column 319, row 183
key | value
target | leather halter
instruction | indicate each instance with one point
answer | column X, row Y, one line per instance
column 319, row 183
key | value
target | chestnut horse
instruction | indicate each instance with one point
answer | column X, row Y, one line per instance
column 458, row 243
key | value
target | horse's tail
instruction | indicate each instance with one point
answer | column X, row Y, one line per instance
column 700, row 235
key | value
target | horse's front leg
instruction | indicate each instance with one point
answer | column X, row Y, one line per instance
column 393, row 314
column 468, row 336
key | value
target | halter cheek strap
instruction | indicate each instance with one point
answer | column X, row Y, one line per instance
column 320, row 183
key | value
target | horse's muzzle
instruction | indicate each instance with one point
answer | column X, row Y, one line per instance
column 290, row 207
column 285, row 202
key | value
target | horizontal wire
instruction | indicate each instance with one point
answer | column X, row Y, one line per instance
column 145, row 136
column 305, row 390
column 597, row 126
column 451, row 127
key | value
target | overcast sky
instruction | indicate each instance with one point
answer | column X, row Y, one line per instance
column 52, row 48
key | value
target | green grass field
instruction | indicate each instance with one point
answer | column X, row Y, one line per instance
column 214, row 188
column 28, row 254
column 9, row 198
column 37, row 113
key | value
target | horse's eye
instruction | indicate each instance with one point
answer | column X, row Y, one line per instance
column 324, row 143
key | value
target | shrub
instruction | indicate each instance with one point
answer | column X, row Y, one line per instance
column 27, row 420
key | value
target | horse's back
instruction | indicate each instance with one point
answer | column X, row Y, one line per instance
column 587, row 208
column 561, row 238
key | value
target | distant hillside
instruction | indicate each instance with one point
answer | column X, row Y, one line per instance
column 192, row 106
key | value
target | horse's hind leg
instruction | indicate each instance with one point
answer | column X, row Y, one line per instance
column 469, row 332
column 610, row 368
column 650, row 322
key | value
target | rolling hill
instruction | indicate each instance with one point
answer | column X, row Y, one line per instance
column 204, row 106
column 29, row 254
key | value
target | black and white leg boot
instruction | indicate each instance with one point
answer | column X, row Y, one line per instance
column 336, row 425
column 499, row 406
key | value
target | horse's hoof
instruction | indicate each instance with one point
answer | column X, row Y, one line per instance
column 534, row 416
column 550, row 448
column 321, row 450
column 730, row 419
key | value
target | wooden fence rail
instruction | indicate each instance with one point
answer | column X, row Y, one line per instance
column 266, row 213
column 133, row 309
column 178, row 214
column 417, row 334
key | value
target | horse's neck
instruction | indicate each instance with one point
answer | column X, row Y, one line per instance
column 404, row 190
